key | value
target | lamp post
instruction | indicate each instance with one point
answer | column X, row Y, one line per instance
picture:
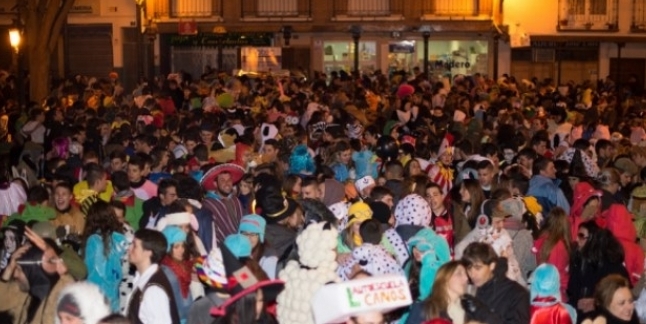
column 15, row 38
column 426, row 34
column 356, row 35
column 287, row 34
column 151, row 33
column 221, row 32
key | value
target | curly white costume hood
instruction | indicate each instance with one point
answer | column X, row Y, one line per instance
column 89, row 300
column 316, row 267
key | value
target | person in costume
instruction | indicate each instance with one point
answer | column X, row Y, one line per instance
column 251, row 293
column 442, row 172
column 178, row 268
column 546, row 299
column 219, row 180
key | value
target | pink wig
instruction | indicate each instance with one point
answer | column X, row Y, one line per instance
column 61, row 147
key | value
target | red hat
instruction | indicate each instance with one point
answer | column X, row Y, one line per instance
column 405, row 90
column 208, row 180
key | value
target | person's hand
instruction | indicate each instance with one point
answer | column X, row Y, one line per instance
column 585, row 305
column 8, row 271
column 35, row 239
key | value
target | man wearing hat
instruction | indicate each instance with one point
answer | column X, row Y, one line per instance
column 220, row 179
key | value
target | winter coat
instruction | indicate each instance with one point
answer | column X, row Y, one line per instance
column 105, row 270
column 14, row 302
column 619, row 222
column 583, row 191
column 505, row 297
column 603, row 316
column 558, row 257
column 556, row 313
column 541, row 186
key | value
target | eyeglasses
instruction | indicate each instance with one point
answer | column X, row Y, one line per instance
column 582, row 236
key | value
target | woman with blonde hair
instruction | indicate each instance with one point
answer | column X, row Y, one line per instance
column 449, row 300
column 614, row 302
column 553, row 245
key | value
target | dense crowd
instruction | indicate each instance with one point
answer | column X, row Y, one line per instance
column 338, row 199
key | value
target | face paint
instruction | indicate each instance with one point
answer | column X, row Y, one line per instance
column 509, row 155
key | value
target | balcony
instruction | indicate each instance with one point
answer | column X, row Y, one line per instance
column 276, row 10
column 588, row 15
column 170, row 9
column 371, row 10
column 457, row 9
column 639, row 17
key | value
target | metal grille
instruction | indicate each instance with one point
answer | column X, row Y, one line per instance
column 544, row 55
column 184, row 8
column 193, row 60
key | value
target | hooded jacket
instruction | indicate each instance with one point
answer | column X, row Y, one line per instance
column 504, row 296
column 541, row 186
column 619, row 222
column 583, row 191
column 87, row 298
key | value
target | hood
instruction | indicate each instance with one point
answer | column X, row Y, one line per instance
column 583, row 191
column 620, row 223
column 85, row 299
column 539, row 180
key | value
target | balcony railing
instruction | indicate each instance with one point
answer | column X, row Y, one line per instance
column 280, row 9
column 639, row 17
column 184, row 8
column 360, row 9
column 463, row 9
column 588, row 15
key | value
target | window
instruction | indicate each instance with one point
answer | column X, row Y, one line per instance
column 277, row 7
column 594, row 7
column 193, row 8
column 368, row 7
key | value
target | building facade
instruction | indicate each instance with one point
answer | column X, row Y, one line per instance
column 575, row 40
column 315, row 35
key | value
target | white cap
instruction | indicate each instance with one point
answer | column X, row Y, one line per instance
column 364, row 183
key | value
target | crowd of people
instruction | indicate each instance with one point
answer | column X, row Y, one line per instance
column 337, row 199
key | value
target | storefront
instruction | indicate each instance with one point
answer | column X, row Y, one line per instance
column 339, row 55
column 193, row 53
column 446, row 57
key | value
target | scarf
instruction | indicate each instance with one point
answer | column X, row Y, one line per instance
column 182, row 270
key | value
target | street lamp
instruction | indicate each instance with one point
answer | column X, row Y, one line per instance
column 15, row 39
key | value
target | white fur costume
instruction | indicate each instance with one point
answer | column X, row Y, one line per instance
column 317, row 267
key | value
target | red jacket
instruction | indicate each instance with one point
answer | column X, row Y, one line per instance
column 583, row 191
column 620, row 223
column 558, row 257
column 555, row 314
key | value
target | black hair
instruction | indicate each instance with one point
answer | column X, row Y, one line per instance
column 120, row 181
column 153, row 241
column 601, row 247
column 93, row 173
column 164, row 184
column 37, row 194
column 479, row 252
column 138, row 161
column 371, row 231
column 540, row 164
column 379, row 192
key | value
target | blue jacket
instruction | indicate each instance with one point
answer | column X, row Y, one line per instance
column 105, row 270
column 541, row 186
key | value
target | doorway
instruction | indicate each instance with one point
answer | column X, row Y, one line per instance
column 629, row 67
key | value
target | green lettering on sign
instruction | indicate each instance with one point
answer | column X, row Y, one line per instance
column 353, row 303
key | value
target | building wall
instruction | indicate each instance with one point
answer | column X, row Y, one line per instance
column 540, row 18
column 118, row 13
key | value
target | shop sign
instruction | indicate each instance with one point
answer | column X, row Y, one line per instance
column 451, row 64
column 559, row 44
column 86, row 7
column 224, row 40
column 402, row 47
column 368, row 295
column 187, row 27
